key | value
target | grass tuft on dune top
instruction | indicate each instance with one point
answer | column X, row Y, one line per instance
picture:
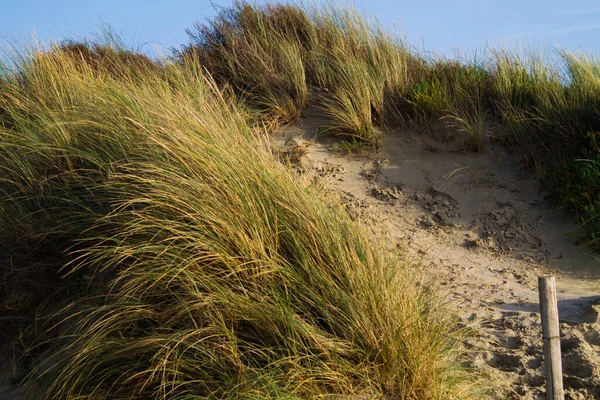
column 272, row 54
column 182, row 260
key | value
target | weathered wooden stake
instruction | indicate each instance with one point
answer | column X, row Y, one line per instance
column 551, row 335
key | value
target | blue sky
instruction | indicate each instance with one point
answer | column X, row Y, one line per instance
column 437, row 25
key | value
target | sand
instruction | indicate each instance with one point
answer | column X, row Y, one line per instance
column 482, row 228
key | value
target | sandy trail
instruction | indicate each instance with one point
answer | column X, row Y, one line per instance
column 483, row 229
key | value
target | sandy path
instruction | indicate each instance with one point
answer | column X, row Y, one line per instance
column 484, row 230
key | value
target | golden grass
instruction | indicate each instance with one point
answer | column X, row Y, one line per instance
column 187, row 261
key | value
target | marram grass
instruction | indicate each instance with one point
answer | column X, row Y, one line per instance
column 272, row 54
column 144, row 223
column 186, row 262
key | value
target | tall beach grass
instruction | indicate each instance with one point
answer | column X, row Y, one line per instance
column 280, row 51
column 144, row 223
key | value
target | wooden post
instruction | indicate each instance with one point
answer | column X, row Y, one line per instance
column 551, row 335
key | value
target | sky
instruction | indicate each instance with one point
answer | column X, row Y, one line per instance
column 444, row 27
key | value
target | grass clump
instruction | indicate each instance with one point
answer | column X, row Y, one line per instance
column 186, row 262
column 257, row 53
column 548, row 107
column 350, row 106
column 469, row 116
column 272, row 54
column 110, row 57
column 426, row 99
